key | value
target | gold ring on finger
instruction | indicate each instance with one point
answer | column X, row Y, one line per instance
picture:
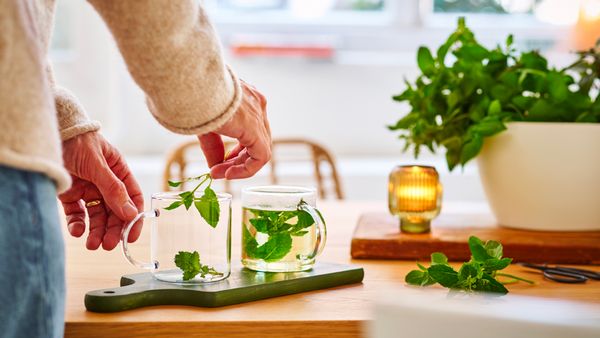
column 93, row 203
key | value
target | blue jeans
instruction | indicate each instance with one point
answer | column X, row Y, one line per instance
column 32, row 259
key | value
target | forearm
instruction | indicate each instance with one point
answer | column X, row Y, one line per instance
column 71, row 116
column 173, row 54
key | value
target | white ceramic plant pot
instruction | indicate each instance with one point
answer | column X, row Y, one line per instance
column 544, row 176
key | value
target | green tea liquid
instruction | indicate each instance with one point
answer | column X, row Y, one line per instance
column 278, row 240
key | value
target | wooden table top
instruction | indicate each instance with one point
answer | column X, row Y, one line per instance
column 338, row 312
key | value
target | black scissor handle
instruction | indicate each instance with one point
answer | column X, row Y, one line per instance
column 562, row 276
column 587, row 273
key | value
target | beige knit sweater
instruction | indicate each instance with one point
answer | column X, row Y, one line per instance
column 170, row 49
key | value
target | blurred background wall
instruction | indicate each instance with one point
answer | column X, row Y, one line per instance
column 328, row 69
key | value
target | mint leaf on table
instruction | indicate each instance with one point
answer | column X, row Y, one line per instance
column 189, row 263
column 443, row 274
column 478, row 274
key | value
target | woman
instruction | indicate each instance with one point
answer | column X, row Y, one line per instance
column 173, row 54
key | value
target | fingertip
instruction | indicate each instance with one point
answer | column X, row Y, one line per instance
column 109, row 243
column 92, row 243
column 76, row 229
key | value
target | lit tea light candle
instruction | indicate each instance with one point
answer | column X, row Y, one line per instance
column 415, row 195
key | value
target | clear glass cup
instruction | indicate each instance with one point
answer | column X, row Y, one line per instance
column 178, row 230
column 282, row 231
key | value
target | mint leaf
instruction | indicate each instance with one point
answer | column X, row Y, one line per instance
column 187, row 198
column 189, row 263
column 494, row 264
column 277, row 247
column 478, row 250
column 443, row 274
column 174, row 184
column 260, row 224
column 425, row 61
column 250, row 245
column 494, row 249
column 419, row 278
column 439, row 258
column 174, row 205
column 489, row 284
column 208, row 206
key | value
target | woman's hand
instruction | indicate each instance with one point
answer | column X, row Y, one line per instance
column 99, row 173
column 251, row 128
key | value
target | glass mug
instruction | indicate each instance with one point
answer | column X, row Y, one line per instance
column 282, row 231
column 178, row 230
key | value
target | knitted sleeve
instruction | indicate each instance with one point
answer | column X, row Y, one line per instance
column 174, row 55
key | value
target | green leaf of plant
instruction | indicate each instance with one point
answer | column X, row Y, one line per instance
column 471, row 148
column 174, row 184
column 478, row 250
column 495, row 264
column 187, row 197
column 439, row 258
column 250, row 244
column 277, row 247
column 494, row 249
column 443, row 274
column 495, row 108
column 174, row 205
column 189, row 263
column 260, row 224
column 425, row 61
column 419, row 278
column 208, row 206
column 488, row 283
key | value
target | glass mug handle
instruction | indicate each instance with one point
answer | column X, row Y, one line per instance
column 125, row 234
column 321, row 229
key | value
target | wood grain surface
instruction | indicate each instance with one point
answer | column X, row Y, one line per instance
column 337, row 312
column 377, row 235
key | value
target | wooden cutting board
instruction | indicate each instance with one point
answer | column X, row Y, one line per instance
column 243, row 285
column 378, row 236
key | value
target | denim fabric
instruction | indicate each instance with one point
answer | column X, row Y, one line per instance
column 32, row 277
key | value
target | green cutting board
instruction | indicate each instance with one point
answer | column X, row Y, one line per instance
column 243, row 285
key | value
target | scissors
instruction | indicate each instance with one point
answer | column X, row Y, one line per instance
column 563, row 274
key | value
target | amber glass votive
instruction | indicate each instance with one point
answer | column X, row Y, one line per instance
column 415, row 195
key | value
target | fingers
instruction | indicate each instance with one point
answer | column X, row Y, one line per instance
column 220, row 170
column 112, row 236
column 213, row 148
column 251, row 128
column 112, row 188
column 75, row 213
column 98, row 217
column 119, row 167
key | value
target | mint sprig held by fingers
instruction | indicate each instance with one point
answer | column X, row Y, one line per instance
column 478, row 274
column 207, row 204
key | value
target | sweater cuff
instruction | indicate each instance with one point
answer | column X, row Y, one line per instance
column 72, row 119
column 214, row 123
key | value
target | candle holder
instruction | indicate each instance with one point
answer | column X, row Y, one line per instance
column 415, row 195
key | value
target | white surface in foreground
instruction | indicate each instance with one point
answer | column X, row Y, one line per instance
column 437, row 313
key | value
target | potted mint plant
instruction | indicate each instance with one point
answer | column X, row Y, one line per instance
column 534, row 129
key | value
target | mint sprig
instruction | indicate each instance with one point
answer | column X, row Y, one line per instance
column 280, row 229
column 478, row 274
column 207, row 204
column 189, row 263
